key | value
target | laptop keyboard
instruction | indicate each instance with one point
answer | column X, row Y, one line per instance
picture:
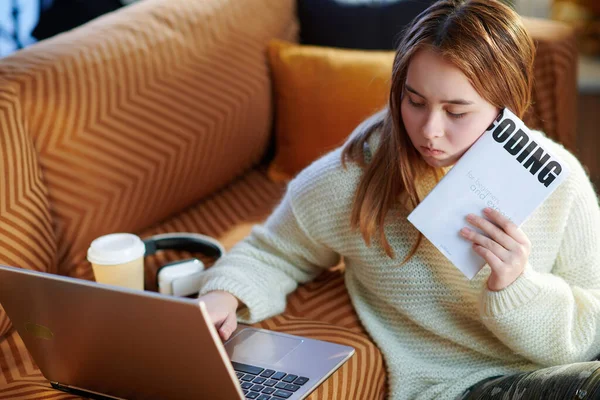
column 267, row 384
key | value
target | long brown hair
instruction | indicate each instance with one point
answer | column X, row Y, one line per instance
column 487, row 41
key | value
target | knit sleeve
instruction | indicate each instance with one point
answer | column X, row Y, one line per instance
column 266, row 266
column 554, row 318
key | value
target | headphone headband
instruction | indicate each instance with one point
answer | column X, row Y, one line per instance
column 187, row 241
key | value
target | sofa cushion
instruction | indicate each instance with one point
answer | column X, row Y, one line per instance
column 144, row 111
column 320, row 309
column 321, row 95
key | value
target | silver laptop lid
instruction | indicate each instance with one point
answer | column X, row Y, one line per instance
column 117, row 341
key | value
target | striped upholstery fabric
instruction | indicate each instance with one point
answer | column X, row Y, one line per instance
column 19, row 376
column 554, row 108
column 320, row 309
column 26, row 236
column 141, row 113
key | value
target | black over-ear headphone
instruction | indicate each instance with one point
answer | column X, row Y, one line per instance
column 182, row 278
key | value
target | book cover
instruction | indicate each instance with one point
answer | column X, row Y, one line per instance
column 506, row 169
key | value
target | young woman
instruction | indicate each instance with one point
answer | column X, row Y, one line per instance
column 536, row 303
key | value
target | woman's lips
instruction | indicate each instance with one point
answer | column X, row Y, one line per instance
column 431, row 152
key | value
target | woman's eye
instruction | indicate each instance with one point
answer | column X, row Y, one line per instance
column 412, row 103
column 456, row 115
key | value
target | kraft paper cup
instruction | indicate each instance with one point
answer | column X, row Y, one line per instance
column 118, row 259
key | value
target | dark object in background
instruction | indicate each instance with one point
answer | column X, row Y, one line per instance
column 64, row 15
column 372, row 26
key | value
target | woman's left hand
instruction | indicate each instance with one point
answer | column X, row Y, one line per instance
column 506, row 248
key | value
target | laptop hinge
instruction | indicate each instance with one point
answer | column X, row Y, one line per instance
column 82, row 392
column 58, row 385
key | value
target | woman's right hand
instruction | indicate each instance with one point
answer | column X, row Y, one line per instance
column 221, row 307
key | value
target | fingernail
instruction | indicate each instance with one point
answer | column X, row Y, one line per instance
column 487, row 210
column 464, row 231
column 470, row 217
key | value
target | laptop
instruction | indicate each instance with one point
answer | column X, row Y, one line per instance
column 107, row 342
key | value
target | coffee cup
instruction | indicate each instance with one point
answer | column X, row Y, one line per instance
column 118, row 259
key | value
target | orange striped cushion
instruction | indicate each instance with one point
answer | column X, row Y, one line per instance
column 320, row 309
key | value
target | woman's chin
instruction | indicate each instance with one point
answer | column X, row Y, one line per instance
column 439, row 162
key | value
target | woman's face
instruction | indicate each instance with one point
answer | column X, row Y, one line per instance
column 441, row 110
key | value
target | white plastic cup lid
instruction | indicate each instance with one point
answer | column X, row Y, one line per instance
column 116, row 248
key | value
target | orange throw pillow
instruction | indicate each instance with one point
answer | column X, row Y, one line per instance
column 321, row 95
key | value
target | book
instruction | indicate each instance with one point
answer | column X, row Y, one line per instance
column 507, row 169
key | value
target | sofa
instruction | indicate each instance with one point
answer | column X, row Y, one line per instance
column 159, row 118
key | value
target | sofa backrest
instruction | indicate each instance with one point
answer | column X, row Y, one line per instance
column 144, row 111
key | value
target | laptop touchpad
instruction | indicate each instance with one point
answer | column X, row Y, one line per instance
column 257, row 346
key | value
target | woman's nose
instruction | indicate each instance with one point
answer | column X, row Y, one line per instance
column 433, row 126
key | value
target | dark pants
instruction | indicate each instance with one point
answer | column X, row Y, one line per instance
column 578, row 381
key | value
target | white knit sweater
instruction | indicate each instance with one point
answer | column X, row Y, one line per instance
column 439, row 332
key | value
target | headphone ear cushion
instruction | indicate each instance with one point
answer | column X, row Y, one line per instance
column 180, row 278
